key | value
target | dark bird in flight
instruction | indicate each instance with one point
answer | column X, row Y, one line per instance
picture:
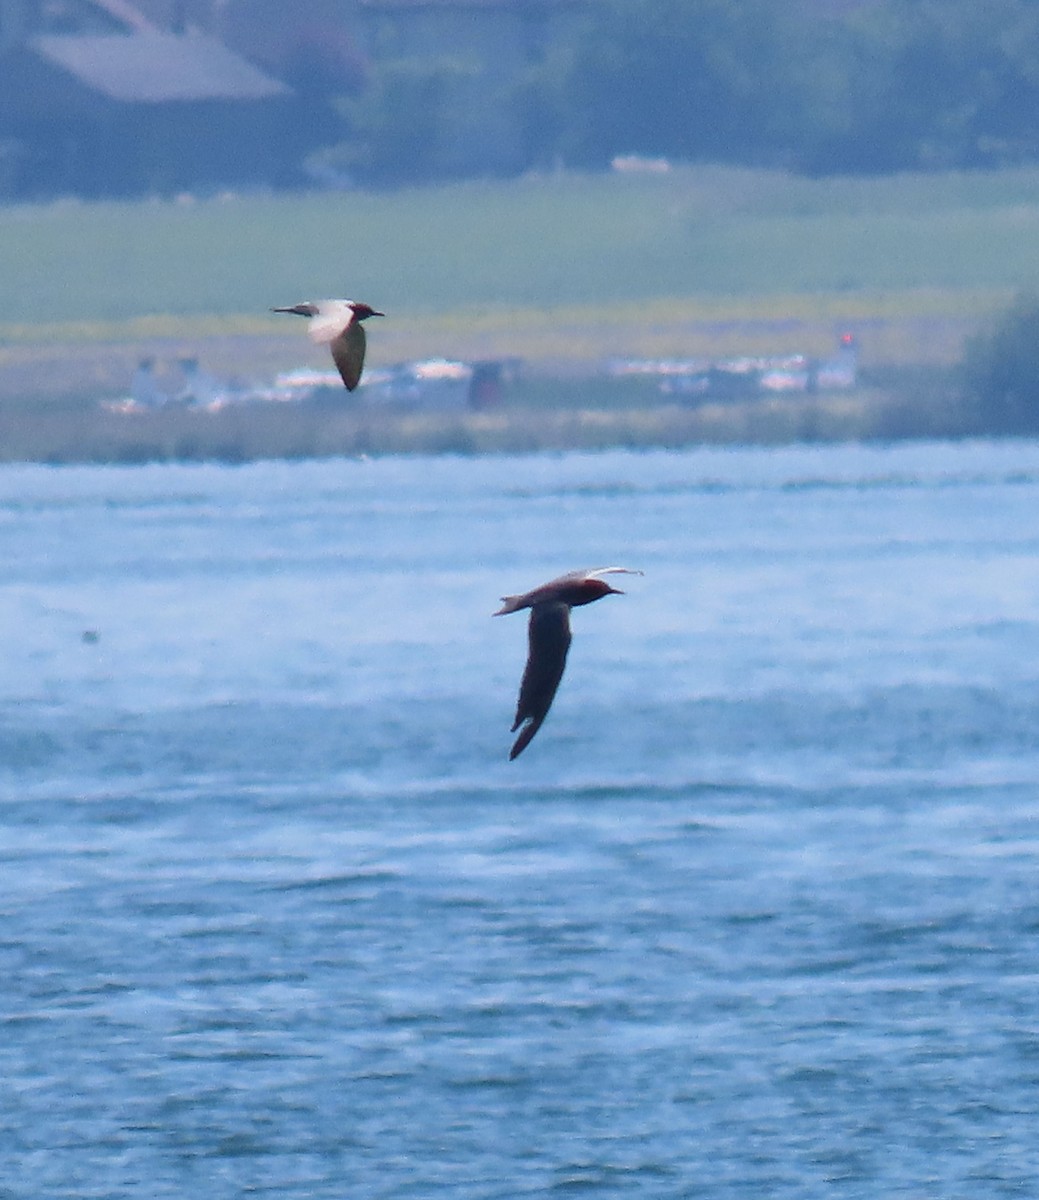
column 549, row 640
column 338, row 322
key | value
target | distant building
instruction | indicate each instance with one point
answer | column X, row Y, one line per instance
column 145, row 389
column 747, row 376
column 95, row 100
column 123, row 97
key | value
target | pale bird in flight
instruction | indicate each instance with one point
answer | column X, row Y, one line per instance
column 548, row 637
column 338, row 322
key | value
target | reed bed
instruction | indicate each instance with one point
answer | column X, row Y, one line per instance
column 536, row 423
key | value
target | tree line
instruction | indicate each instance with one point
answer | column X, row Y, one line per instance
column 817, row 87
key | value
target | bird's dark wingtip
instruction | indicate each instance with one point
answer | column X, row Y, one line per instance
column 524, row 739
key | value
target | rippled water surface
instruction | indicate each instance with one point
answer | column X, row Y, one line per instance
column 756, row 914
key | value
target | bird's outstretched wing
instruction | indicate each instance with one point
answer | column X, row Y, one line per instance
column 348, row 352
column 307, row 309
column 548, row 637
column 566, row 588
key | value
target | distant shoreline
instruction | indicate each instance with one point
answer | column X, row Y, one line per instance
column 253, row 432
column 53, row 380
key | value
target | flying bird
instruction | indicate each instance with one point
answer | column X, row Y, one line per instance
column 338, row 322
column 548, row 637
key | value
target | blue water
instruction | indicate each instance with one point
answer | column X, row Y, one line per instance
column 756, row 914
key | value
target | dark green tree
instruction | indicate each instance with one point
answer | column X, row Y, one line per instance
column 1001, row 374
column 703, row 80
column 936, row 83
column 868, row 87
column 397, row 126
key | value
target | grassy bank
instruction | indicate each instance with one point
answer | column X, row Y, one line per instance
column 272, row 433
column 561, row 271
column 543, row 243
column 87, row 360
column 539, row 415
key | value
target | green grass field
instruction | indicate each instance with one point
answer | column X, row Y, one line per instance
column 603, row 244
column 560, row 271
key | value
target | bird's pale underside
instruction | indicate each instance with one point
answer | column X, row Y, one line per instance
column 548, row 640
column 338, row 322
